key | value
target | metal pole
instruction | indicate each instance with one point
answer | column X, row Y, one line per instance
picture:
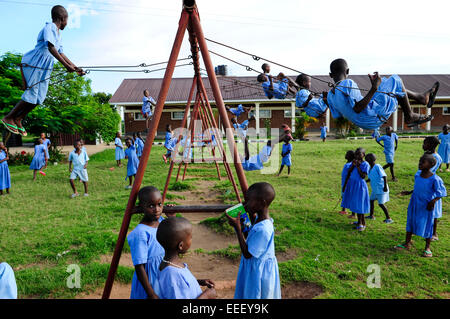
column 182, row 25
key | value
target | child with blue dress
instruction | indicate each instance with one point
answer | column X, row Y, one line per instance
column 139, row 145
column 5, row 177
column 146, row 252
column 374, row 109
column 120, row 154
column 349, row 156
column 425, row 203
column 237, row 111
column 278, row 88
column 241, row 129
column 147, row 103
column 444, row 147
column 390, row 144
column 39, row 158
column 133, row 161
column 305, row 100
column 47, row 144
column 286, row 151
column 175, row 279
column 8, row 286
column 36, row 68
column 79, row 158
column 356, row 192
column 168, row 144
column 323, row 132
column 256, row 162
column 258, row 276
column 380, row 188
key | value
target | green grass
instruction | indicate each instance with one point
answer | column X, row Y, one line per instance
column 43, row 230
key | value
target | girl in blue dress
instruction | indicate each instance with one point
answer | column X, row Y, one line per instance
column 168, row 144
column 286, row 151
column 5, row 177
column 146, row 252
column 139, row 145
column 120, row 154
column 349, row 156
column 258, row 276
column 175, row 279
column 39, row 158
column 425, row 203
column 430, row 143
column 8, row 286
column 305, row 100
column 133, row 161
column 47, row 144
column 356, row 192
column 444, row 147
column 323, row 132
column 37, row 66
column 390, row 144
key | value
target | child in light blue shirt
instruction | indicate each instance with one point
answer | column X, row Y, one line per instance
column 380, row 189
column 79, row 159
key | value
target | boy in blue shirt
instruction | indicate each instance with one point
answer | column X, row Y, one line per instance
column 278, row 88
column 80, row 159
column 390, row 141
column 286, row 151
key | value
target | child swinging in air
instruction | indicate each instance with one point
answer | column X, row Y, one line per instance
column 147, row 103
column 241, row 129
column 37, row 66
column 390, row 144
column 374, row 109
column 305, row 100
column 258, row 276
column 279, row 88
column 237, row 111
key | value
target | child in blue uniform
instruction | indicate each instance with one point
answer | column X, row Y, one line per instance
column 425, row 203
column 323, row 132
column 139, row 145
column 258, row 276
column 79, row 159
column 349, row 156
column 237, row 111
column 37, row 66
column 390, row 144
column 120, row 154
column 374, row 109
column 430, row 143
column 168, row 144
column 444, row 147
column 133, row 161
column 8, row 286
column 380, row 189
column 146, row 252
column 286, row 151
column 305, row 100
column 278, row 88
column 47, row 144
column 5, row 177
column 175, row 279
column 241, row 129
column 356, row 192
column 39, row 158
column 147, row 103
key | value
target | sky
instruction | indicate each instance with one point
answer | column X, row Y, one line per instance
column 402, row 37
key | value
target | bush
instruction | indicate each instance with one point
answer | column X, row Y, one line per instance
column 301, row 124
column 56, row 154
column 22, row 158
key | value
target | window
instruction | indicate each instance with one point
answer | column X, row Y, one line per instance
column 177, row 115
column 287, row 113
column 446, row 110
column 265, row 114
column 138, row 116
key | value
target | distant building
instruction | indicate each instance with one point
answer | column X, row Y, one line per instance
column 247, row 91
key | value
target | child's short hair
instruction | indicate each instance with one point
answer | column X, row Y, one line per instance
column 144, row 195
column 360, row 150
column 168, row 127
column 76, row 142
column 59, row 13
column 300, row 80
column 261, row 78
column 171, row 231
column 263, row 191
column 350, row 155
column 433, row 141
column 338, row 66
column 264, row 66
column 446, row 126
column 371, row 157
column 429, row 158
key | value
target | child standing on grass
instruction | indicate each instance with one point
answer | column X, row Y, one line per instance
column 349, row 156
column 258, row 276
column 139, row 145
column 356, row 192
column 323, row 132
column 5, row 177
column 8, row 286
column 39, row 158
column 175, row 279
column 79, row 159
column 133, row 161
column 168, row 143
column 444, row 147
column 286, row 151
column 423, row 206
column 146, row 252
column 429, row 146
column 390, row 144
column 47, row 143
column 380, row 189
column 120, row 154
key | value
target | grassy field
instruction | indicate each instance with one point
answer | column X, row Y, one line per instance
column 43, row 231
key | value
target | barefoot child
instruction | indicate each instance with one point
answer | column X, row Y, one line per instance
column 36, row 68
column 133, row 161
column 423, row 206
column 258, row 276
column 120, row 154
column 390, row 144
column 175, row 279
column 380, row 189
column 444, row 147
column 79, row 159
column 356, row 192
column 286, row 151
column 374, row 109
column 349, row 156
column 304, row 99
column 39, row 158
column 146, row 252
column 5, row 177
column 323, row 132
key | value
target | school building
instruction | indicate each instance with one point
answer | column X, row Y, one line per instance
column 247, row 91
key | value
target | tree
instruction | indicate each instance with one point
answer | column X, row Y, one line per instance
column 301, row 124
column 10, row 82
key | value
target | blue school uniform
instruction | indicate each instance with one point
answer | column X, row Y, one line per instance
column 39, row 157
column 8, row 286
column 237, row 110
column 420, row 220
column 258, row 276
column 41, row 58
column 389, row 146
column 323, row 132
column 5, row 176
column 343, row 177
column 47, row 143
column 376, row 174
column 133, row 161
column 145, row 249
column 241, row 128
column 343, row 98
column 120, row 154
column 147, row 105
column 256, row 162
column 444, row 147
column 316, row 106
column 356, row 194
column 139, row 147
column 279, row 89
column 78, row 161
column 167, row 143
column 438, row 163
column 178, row 283
column 286, row 160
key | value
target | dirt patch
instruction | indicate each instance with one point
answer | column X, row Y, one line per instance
column 301, row 290
column 287, row 255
